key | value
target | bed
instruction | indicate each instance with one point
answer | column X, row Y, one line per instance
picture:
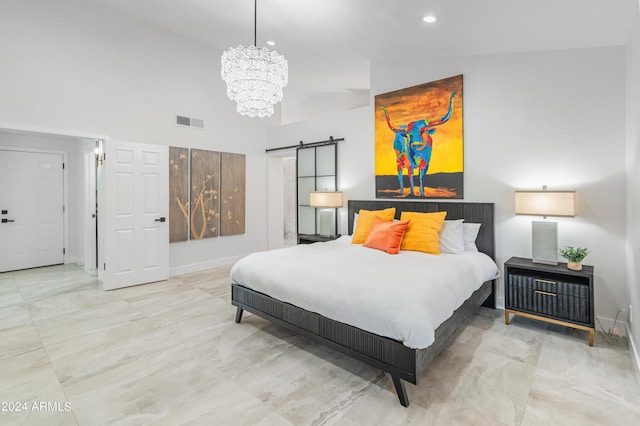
column 402, row 362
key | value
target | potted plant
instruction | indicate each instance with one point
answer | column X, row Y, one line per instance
column 574, row 256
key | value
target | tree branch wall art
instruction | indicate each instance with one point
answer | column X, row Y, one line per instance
column 178, row 194
column 206, row 194
column 232, row 192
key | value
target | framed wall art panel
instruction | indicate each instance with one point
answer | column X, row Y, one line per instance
column 419, row 141
column 178, row 194
column 205, row 194
column 232, row 193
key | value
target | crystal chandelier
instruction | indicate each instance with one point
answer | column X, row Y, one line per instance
column 255, row 76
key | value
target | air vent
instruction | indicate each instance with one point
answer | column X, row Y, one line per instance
column 183, row 121
column 195, row 123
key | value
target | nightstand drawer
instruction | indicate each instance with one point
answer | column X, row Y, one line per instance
column 557, row 297
column 549, row 293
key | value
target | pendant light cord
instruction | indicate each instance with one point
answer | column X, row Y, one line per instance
column 255, row 23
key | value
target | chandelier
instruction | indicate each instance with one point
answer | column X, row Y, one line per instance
column 255, row 76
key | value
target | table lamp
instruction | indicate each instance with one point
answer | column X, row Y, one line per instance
column 544, row 234
column 328, row 202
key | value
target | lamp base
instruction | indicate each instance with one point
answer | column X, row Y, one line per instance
column 544, row 237
column 544, row 262
column 325, row 228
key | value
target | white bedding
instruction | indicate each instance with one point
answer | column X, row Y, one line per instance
column 404, row 296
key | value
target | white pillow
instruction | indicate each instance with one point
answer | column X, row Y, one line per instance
column 355, row 222
column 452, row 237
column 470, row 234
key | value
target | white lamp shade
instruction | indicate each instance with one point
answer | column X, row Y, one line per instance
column 546, row 203
column 325, row 199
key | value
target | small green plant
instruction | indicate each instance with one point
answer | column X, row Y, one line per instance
column 574, row 254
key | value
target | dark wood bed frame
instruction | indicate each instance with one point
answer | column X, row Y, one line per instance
column 400, row 361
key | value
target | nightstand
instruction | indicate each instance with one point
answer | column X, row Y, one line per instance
column 315, row 238
column 550, row 293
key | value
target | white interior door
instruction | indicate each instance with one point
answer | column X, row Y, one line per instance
column 136, row 204
column 31, row 209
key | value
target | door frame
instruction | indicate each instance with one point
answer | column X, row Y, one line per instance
column 88, row 209
column 65, row 189
column 275, row 198
column 46, row 131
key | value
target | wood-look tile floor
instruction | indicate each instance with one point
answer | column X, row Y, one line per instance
column 169, row 353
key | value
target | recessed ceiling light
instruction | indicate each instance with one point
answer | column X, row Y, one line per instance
column 430, row 19
column 271, row 42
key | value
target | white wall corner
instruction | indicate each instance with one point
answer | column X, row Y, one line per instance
column 74, row 259
column 606, row 324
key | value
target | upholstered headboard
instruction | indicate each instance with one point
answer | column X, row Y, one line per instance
column 471, row 212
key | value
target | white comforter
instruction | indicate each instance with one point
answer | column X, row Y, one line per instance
column 404, row 297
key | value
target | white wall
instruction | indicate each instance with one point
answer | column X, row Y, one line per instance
column 79, row 66
column 633, row 183
column 275, row 179
column 555, row 118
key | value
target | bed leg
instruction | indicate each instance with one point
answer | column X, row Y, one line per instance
column 239, row 315
column 400, row 390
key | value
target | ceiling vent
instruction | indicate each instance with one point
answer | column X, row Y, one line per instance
column 195, row 123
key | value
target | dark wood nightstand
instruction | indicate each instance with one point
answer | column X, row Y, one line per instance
column 315, row 238
column 550, row 293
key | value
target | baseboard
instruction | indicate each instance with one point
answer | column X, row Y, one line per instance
column 607, row 324
column 74, row 259
column 635, row 355
column 195, row 267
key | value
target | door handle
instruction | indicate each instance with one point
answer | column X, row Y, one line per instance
column 162, row 219
column 7, row 220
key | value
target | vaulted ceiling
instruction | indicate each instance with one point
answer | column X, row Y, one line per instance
column 330, row 44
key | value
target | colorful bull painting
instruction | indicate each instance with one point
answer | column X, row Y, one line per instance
column 419, row 141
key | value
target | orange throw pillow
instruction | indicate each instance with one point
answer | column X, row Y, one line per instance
column 365, row 218
column 423, row 233
column 386, row 236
